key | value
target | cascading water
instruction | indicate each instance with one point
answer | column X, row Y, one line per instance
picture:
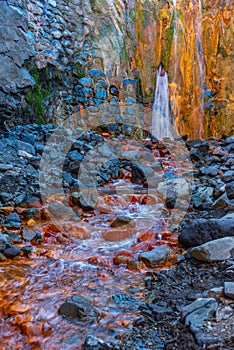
column 161, row 116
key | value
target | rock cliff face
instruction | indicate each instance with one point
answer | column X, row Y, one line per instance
column 124, row 42
column 15, row 49
column 194, row 40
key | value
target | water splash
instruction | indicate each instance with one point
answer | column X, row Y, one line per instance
column 161, row 117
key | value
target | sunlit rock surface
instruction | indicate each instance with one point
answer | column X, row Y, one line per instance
column 127, row 40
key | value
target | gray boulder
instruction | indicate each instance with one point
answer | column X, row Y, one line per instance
column 197, row 312
column 217, row 250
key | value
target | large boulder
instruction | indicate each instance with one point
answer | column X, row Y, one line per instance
column 205, row 230
column 217, row 250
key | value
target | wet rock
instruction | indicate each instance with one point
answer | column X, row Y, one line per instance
column 93, row 343
column 77, row 230
column 138, row 176
column 14, row 237
column 12, row 221
column 174, row 185
column 217, row 250
column 121, row 221
column 27, row 250
column 29, row 234
column 117, row 234
column 205, row 230
column 229, row 289
column 11, row 252
column 156, row 256
column 83, row 204
column 123, row 257
column 79, row 308
column 57, row 209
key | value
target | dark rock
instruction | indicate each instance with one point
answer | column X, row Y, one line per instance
column 6, row 197
column 83, row 204
column 204, row 230
column 78, row 308
column 192, row 143
column 12, row 221
column 170, row 202
column 5, row 167
column 138, row 176
column 228, row 176
column 203, row 147
column 27, row 250
column 219, row 190
column 203, row 197
column 195, row 155
column 230, row 190
column 121, row 221
column 5, row 242
column 11, row 252
column 156, row 256
column 14, row 237
column 75, row 156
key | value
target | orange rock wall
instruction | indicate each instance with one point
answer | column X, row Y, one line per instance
column 195, row 42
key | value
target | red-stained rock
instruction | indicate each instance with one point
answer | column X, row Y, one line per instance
column 97, row 260
column 123, row 257
column 76, row 230
column 117, row 234
column 32, row 328
column 149, row 199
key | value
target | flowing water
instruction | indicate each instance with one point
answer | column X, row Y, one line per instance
column 161, row 124
column 79, row 257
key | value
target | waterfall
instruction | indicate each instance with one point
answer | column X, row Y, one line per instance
column 161, row 115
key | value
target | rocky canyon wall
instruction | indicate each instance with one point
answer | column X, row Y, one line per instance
column 91, row 51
